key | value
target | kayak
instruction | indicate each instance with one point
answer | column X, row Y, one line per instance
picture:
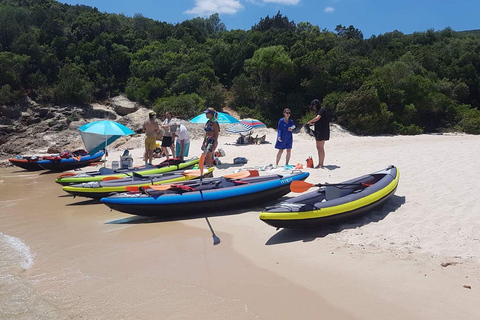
column 165, row 166
column 69, row 161
column 29, row 163
column 100, row 189
column 335, row 203
column 207, row 196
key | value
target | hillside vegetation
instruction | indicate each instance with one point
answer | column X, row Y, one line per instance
column 391, row 83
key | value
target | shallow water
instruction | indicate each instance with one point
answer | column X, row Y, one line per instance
column 18, row 298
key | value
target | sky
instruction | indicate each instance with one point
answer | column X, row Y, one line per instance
column 372, row 17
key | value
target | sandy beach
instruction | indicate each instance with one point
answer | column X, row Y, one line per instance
column 416, row 258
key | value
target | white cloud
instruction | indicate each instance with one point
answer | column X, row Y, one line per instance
column 329, row 9
column 287, row 2
column 208, row 7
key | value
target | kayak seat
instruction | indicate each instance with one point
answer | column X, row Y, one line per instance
column 332, row 192
column 224, row 183
column 104, row 170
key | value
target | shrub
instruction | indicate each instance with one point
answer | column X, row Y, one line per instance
column 184, row 106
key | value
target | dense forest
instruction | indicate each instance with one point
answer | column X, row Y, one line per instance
column 390, row 83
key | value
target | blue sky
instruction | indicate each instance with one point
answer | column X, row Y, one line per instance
column 372, row 17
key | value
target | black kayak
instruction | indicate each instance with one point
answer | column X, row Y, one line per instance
column 207, row 196
column 334, row 204
column 29, row 163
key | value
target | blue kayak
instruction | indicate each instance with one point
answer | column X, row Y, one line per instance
column 207, row 196
column 70, row 161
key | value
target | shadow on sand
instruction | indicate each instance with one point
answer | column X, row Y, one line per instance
column 84, row 203
column 142, row 219
column 291, row 235
column 331, row 167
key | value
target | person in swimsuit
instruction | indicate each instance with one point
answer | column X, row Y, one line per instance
column 212, row 130
column 151, row 128
column 284, row 136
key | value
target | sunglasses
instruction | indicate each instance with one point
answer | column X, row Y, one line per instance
column 287, row 112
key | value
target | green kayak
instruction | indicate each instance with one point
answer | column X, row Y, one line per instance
column 165, row 166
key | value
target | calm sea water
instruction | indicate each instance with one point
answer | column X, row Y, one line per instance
column 18, row 298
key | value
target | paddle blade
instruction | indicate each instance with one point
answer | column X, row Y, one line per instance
column 132, row 189
column 194, row 173
column 238, row 175
column 253, row 173
column 68, row 174
column 159, row 187
column 300, row 186
column 110, row 178
column 201, row 163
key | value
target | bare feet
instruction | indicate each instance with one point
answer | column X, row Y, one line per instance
column 319, row 167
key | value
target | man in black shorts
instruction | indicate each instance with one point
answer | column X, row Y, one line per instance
column 168, row 137
column 322, row 129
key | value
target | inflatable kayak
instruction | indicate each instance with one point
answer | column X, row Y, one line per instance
column 100, row 189
column 335, row 203
column 29, row 163
column 165, row 166
column 206, row 196
column 69, row 160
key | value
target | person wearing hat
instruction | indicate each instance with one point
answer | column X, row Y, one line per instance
column 212, row 130
column 322, row 129
column 182, row 145
column 151, row 128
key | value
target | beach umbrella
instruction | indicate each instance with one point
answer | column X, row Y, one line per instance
column 254, row 123
column 239, row 128
column 99, row 134
column 221, row 118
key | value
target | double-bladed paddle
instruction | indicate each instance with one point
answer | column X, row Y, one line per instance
column 302, row 186
column 163, row 187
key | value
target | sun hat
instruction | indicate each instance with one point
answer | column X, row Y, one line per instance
column 208, row 111
column 152, row 113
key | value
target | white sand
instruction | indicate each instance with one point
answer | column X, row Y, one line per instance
column 388, row 265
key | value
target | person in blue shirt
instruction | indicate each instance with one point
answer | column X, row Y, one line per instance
column 284, row 136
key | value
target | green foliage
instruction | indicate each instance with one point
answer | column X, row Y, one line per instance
column 427, row 81
column 213, row 95
column 269, row 65
column 7, row 95
column 309, row 115
column 74, row 86
column 468, row 119
column 183, row 106
column 363, row 113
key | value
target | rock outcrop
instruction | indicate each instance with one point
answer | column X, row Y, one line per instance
column 30, row 128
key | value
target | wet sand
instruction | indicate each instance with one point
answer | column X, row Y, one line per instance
column 96, row 264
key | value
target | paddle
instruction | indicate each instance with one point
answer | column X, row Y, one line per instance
column 301, row 186
column 216, row 240
column 201, row 164
column 111, row 178
column 238, row 175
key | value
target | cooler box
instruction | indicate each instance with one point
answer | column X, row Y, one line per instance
column 126, row 162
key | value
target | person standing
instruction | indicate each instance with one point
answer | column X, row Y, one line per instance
column 168, row 137
column 182, row 145
column 212, row 130
column 151, row 128
column 284, row 136
column 322, row 129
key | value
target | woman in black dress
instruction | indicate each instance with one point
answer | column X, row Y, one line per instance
column 322, row 129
